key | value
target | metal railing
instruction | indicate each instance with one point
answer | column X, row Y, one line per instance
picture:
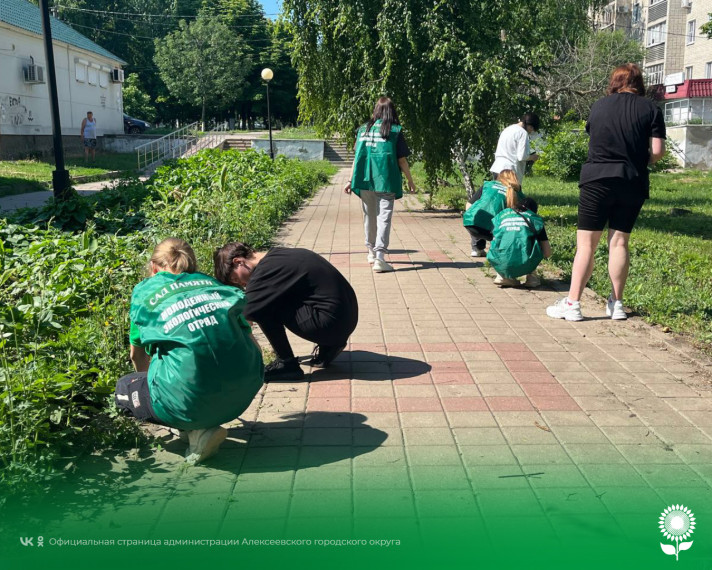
column 172, row 145
column 185, row 141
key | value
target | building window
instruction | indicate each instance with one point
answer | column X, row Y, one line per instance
column 691, row 26
column 708, row 70
column 656, row 33
column 92, row 76
column 636, row 13
column 677, row 112
column 103, row 79
column 607, row 16
column 688, row 72
column 80, row 72
column 654, row 74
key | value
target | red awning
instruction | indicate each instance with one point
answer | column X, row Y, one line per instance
column 691, row 88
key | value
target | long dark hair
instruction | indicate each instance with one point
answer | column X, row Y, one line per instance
column 384, row 110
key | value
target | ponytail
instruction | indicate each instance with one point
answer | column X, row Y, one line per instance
column 174, row 255
column 509, row 179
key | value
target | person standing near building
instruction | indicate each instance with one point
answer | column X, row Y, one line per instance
column 88, row 136
column 513, row 150
column 377, row 177
column 627, row 133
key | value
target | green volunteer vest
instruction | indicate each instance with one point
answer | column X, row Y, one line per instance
column 491, row 203
column 376, row 162
column 205, row 369
column 514, row 250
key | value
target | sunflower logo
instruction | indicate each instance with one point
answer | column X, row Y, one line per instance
column 677, row 523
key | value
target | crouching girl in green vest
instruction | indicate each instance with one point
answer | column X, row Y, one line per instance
column 519, row 244
column 380, row 160
column 197, row 363
column 490, row 200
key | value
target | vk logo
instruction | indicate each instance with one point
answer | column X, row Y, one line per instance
column 26, row 541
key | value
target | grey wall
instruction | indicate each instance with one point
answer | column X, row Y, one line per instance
column 302, row 149
column 698, row 147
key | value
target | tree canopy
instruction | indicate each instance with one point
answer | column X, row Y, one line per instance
column 457, row 71
column 129, row 29
column 203, row 62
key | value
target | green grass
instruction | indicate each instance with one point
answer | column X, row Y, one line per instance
column 22, row 176
column 294, row 133
column 670, row 280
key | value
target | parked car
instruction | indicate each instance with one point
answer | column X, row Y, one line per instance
column 135, row 126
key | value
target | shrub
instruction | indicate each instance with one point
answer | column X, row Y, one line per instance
column 563, row 153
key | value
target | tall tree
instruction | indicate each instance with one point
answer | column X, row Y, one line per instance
column 457, row 71
column 247, row 19
column 579, row 74
column 202, row 63
column 137, row 103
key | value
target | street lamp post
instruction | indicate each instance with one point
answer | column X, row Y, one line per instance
column 267, row 75
column 60, row 175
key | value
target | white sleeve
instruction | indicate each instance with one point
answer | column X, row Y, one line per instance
column 523, row 147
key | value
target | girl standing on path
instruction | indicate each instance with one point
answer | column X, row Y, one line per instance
column 377, row 177
column 627, row 134
column 197, row 363
column 490, row 200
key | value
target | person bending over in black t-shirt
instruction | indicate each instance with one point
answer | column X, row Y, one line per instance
column 296, row 289
column 627, row 134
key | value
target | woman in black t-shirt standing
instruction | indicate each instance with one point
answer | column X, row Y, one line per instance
column 627, row 134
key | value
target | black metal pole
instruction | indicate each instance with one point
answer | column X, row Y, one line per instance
column 60, row 176
column 269, row 125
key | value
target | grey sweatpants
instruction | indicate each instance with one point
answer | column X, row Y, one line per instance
column 377, row 215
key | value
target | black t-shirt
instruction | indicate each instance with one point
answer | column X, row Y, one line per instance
column 289, row 278
column 621, row 126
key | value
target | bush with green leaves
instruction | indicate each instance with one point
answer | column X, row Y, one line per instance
column 563, row 152
column 66, row 275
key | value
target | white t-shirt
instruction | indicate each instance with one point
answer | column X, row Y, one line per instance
column 512, row 151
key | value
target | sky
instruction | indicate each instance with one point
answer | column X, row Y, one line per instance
column 272, row 8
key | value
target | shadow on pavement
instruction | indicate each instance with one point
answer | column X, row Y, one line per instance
column 372, row 366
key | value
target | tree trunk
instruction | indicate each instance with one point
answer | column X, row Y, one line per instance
column 461, row 160
column 202, row 117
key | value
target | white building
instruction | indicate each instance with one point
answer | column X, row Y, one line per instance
column 88, row 79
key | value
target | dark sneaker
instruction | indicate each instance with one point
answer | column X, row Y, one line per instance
column 283, row 370
column 324, row 355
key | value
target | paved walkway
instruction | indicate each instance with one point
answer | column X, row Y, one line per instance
column 39, row 199
column 457, row 406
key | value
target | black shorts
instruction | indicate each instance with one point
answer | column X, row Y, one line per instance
column 132, row 397
column 610, row 200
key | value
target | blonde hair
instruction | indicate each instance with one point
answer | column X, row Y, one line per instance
column 174, row 255
column 509, row 179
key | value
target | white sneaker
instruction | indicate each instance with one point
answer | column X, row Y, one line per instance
column 532, row 281
column 505, row 281
column 614, row 309
column 371, row 257
column 204, row 443
column 381, row 266
column 565, row 309
column 181, row 434
column 477, row 252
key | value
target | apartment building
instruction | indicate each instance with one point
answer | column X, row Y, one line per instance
column 677, row 65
